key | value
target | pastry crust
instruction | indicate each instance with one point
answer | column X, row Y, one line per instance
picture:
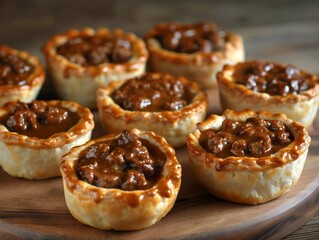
column 174, row 126
column 34, row 158
column 298, row 107
column 201, row 67
column 26, row 92
column 77, row 83
column 112, row 208
column 249, row 180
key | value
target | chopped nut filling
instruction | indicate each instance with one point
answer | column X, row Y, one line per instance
column 125, row 162
column 152, row 92
column 190, row 38
column 253, row 138
column 272, row 78
column 38, row 119
column 13, row 69
column 94, row 50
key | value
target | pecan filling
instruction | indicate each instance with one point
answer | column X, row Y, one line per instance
column 272, row 78
column 253, row 138
column 95, row 50
column 191, row 38
column 38, row 119
column 126, row 162
column 13, row 69
column 152, row 92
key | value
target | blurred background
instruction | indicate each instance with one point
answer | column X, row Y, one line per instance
column 285, row 31
column 280, row 24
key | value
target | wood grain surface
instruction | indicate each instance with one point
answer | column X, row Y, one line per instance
column 282, row 31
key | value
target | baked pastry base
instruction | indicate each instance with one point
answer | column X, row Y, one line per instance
column 34, row 158
column 174, row 126
column 301, row 107
column 200, row 67
column 26, row 92
column 77, row 83
column 249, row 180
column 111, row 208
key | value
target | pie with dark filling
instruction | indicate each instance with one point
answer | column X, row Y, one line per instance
column 197, row 51
column 272, row 87
column 34, row 136
column 168, row 105
column 21, row 75
column 124, row 181
column 82, row 60
column 248, row 157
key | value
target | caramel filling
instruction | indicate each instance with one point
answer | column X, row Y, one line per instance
column 153, row 93
column 126, row 162
column 95, row 50
column 38, row 119
column 190, row 38
column 272, row 78
column 13, row 69
column 253, row 138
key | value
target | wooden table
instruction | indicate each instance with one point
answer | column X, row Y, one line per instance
column 276, row 30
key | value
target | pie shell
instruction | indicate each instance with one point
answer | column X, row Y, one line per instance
column 26, row 92
column 174, row 126
column 249, row 180
column 201, row 67
column 34, row 158
column 112, row 208
column 301, row 107
column 77, row 83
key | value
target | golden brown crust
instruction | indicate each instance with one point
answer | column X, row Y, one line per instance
column 199, row 66
column 298, row 107
column 115, row 208
column 28, row 91
column 247, row 179
column 78, row 83
column 35, row 158
column 172, row 125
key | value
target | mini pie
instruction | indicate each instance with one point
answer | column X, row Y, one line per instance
column 197, row 51
column 82, row 60
column 272, row 87
column 248, row 157
column 170, row 106
column 124, row 181
column 21, row 75
column 34, row 136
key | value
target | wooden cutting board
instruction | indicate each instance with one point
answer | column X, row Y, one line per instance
column 37, row 210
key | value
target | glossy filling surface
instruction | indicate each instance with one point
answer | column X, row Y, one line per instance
column 126, row 162
column 38, row 119
column 13, row 69
column 153, row 93
column 95, row 50
column 253, row 138
column 190, row 38
column 272, row 78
